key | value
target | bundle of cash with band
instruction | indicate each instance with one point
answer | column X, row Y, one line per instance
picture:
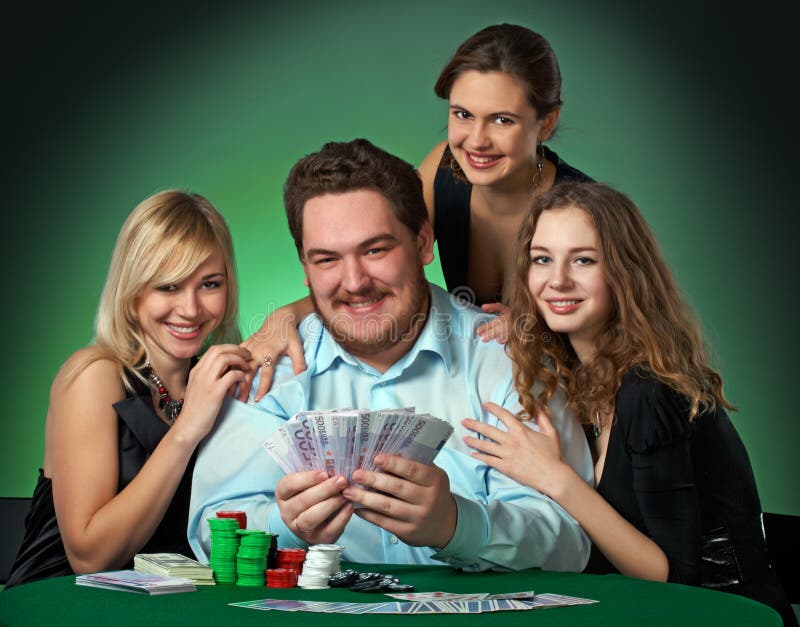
column 136, row 581
column 174, row 565
column 341, row 441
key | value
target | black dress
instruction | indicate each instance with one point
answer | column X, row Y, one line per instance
column 690, row 488
column 140, row 429
column 452, row 197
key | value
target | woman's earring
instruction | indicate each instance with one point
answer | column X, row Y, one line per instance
column 537, row 177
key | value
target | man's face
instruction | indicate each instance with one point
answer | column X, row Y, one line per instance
column 364, row 269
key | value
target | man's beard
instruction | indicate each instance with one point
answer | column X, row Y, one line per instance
column 379, row 332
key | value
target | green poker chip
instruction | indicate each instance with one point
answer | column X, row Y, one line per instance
column 251, row 559
column 224, row 548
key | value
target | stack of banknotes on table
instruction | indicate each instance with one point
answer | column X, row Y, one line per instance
column 342, row 440
column 135, row 581
column 174, row 565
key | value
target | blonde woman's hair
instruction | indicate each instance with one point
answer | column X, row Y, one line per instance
column 163, row 241
column 650, row 324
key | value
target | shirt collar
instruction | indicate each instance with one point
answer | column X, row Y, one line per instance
column 434, row 338
column 436, row 334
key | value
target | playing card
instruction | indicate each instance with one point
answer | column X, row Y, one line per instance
column 554, row 600
column 438, row 596
column 512, row 595
column 417, row 603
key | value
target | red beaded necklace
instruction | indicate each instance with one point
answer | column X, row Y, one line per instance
column 169, row 406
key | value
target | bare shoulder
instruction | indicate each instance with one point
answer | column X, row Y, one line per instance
column 427, row 169
column 427, row 172
column 90, row 369
column 82, row 401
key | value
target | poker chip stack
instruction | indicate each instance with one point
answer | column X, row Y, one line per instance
column 281, row 578
column 251, row 559
column 291, row 559
column 224, row 547
column 322, row 561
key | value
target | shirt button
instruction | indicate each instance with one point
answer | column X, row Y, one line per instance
column 393, row 539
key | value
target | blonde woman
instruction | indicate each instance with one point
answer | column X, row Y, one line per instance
column 127, row 412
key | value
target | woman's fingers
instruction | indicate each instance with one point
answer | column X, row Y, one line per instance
column 267, row 366
column 484, row 446
column 497, row 329
column 545, row 424
column 495, row 308
column 217, row 363
column 506, row 417
column 295, row 351
column 488, row 431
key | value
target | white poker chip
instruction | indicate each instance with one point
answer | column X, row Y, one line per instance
column 322, row 561
column 320, row 565
column 304, row 580
column 325, row 547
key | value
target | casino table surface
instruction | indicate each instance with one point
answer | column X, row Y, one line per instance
column 622, row 601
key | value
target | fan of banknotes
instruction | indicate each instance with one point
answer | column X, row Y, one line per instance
column 341, row 441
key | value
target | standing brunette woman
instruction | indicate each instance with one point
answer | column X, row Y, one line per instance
column 597, row 313
column 504, row 89
column 119, row 444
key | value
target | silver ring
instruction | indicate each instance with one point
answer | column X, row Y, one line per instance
column 266, row 361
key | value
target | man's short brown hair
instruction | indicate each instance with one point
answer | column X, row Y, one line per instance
column 342, row 167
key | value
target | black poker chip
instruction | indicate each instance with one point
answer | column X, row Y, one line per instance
column 368, row 582
column 399, row 587
column 373, row 585
column 343, row 579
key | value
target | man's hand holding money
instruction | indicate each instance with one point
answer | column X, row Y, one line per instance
column 312, row 506
column 410, row 499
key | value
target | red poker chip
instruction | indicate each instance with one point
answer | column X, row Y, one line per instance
column 291, row 553
column 280, row 578
column 240, row 517
column 289, row 565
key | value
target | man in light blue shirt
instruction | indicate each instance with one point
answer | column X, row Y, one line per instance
column 383, row 337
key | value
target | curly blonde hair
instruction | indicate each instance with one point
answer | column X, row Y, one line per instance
column 650, row 325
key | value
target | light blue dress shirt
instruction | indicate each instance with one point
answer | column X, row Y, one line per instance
column 449, row 373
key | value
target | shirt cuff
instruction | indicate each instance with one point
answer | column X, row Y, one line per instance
column 472, row 527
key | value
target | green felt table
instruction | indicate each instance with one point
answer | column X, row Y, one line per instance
column 622, row 601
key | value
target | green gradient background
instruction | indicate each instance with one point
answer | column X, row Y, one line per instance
column 683, row 106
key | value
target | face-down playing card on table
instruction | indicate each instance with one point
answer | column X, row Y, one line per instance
column 518, row 601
